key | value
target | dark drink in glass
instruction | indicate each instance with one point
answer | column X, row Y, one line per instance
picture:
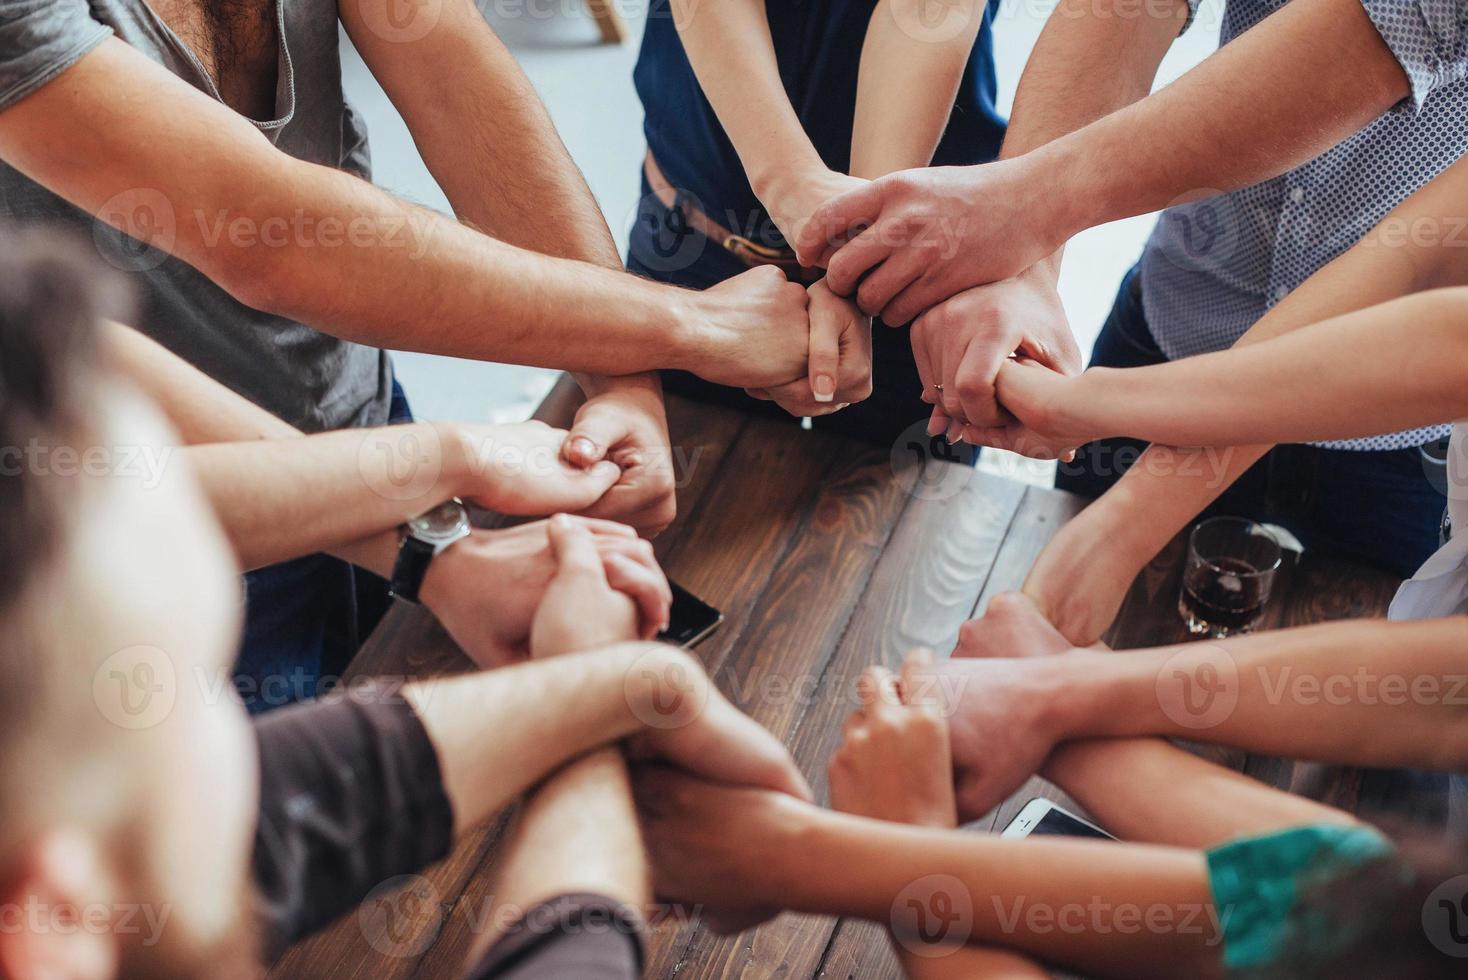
column 1230, row 569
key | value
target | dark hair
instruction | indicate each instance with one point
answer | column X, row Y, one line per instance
column 1408, row 913
column 52, row 294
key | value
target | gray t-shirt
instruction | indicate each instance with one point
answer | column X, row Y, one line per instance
column 310, row 379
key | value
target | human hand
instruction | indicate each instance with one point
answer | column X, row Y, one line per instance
column 625, row 423
column 1001, row 694
column 907, row 241
column 1084, row 573
column 791, row 198
column 718, row 846
column 688, row 723
column 580, row 609
column 485, row 589
column 1038, row 401
column 840, row 359
column 519, row 470
column 963, row 342
column 894, row 761
column 752, row 331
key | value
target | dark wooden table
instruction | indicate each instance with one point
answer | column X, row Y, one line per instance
column 825, row 556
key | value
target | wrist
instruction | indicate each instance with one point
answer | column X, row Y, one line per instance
column 1069, row 203
column 778, row 181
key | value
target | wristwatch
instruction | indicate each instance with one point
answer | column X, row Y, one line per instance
column 424, row 537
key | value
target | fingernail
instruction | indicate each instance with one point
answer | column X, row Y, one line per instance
column 955, row 433
column 824, row 387
column 936, row 426
column 583, row 446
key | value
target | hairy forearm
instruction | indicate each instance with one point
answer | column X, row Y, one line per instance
column 838, row 864
column 1396, row 366
column 1092, row 58
column 908, row 76
column 1305, row 78
column 318, row 245
column 484, row 133
column 1360, row 693
column 498, row 733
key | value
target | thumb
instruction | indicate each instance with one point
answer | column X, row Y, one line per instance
column 830, row 223
column 824, row 359
column 574, row 548
column 591, row 437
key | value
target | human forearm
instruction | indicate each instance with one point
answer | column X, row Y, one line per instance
column 281, row 499
column 542, row 714
column 1355, row 365
column 1362, row 693
column 1149, row 789
column 484, row 133
column 576, row 835
column 733, row 55
column 837, row 864
column 909, row 74
column 1091, row 59
column 1225, row 125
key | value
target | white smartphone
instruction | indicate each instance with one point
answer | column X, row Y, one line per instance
column 1040, row 816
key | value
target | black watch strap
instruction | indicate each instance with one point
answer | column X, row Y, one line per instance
column 412, row 563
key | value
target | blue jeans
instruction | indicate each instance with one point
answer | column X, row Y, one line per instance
column 1382, row 507
column 662, row 248
column 306, row 618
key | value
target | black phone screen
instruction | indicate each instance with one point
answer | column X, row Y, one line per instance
column 1061, row 824
column 690, row 620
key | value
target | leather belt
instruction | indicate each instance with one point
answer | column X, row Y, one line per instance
column 751, row 253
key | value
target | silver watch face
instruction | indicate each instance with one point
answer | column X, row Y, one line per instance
column 447, row 522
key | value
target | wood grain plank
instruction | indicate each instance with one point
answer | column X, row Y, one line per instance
column 782, row 671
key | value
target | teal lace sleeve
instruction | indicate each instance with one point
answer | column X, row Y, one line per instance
column 1257, row 883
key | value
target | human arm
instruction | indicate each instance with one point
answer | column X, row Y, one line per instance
column 741, row 848
column 484, row 117
column 318, row 245
column 1296, row 84
column 1360, row 693
column 257, row 471
column 1082, row 575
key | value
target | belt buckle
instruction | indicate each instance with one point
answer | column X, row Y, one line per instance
column 774, row 256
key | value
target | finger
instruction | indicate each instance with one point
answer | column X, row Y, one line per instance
column 918, row 689
column 834, row 219
column 759, row 393
column 886, row 281
column 876, row 687
column 856, row 258
column 592, row 436
column 855, row 722
column 824, row 358
column 644, row 586
column 573, row 547
column 602, row 527
column 917, row 295
column 938, row 422
column 755, row 757
column 921, row 336
column 973, row 380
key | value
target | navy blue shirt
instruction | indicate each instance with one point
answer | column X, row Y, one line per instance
column 818, row 48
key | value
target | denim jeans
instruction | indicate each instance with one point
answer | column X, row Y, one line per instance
column 1382, row 507
column 662, row 248
column 306, row 618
